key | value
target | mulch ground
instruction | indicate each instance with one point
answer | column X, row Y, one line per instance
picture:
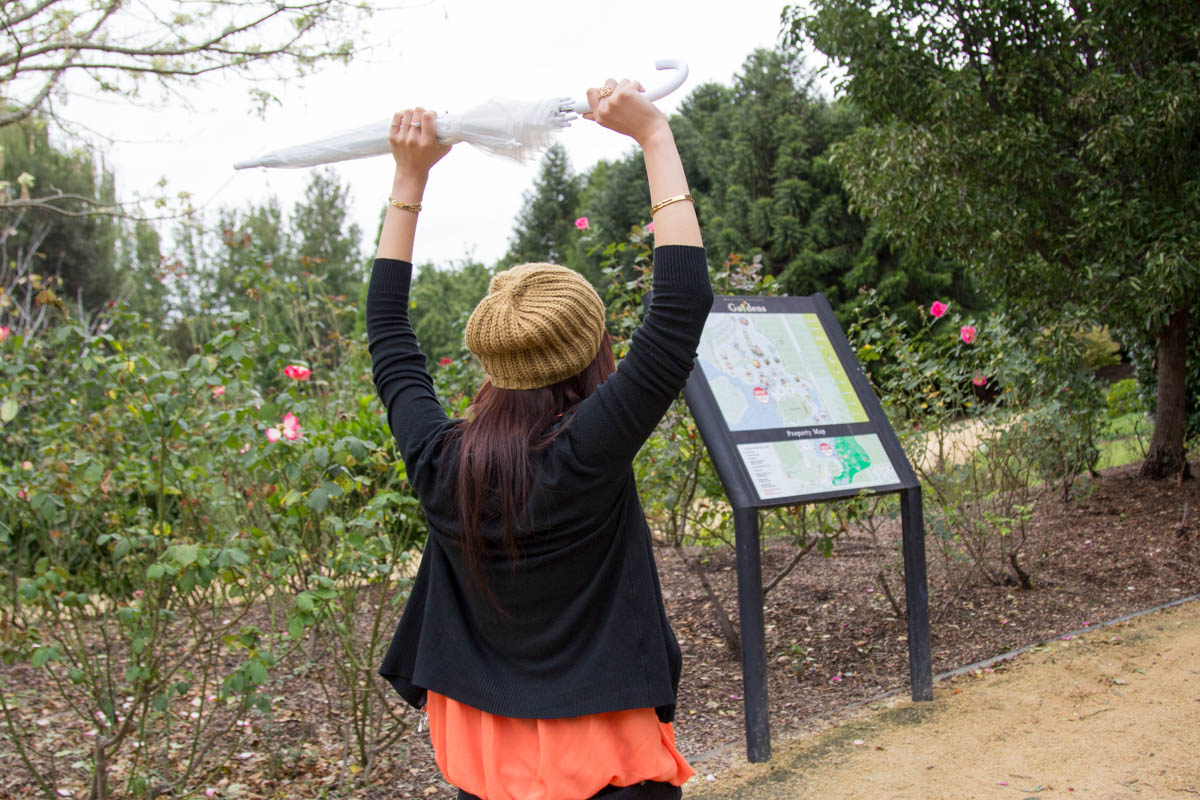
column 1123, row 544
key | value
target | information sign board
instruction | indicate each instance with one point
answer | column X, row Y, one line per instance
column 777, row 386
column 789, row 417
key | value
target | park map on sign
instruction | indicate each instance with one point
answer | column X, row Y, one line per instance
column 769, row 371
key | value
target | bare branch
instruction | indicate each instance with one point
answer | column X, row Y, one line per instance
column 118, row 42
column 151, row 52
column 10, row 22
column 25, row 111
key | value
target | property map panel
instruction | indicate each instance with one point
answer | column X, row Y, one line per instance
column 776, row 371
column 817, row 466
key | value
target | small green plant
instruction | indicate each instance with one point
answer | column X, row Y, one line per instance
column 1124, row 397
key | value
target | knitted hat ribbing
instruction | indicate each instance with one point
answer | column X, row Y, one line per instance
column 538, row 325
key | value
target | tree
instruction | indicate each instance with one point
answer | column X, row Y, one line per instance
column 442, row 300
column 78, row 247
column 120, row 46
column 326, row 244
column 300, row 273
column 545, row 227
column 1050, row 146
column 756, row 155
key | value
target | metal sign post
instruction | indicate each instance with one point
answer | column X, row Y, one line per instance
column 789, row 418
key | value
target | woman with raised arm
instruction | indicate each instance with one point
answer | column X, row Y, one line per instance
column 535, row 634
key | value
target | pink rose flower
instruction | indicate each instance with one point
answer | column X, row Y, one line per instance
column 979, row 381
column 291, row 427
column 218, row 391
column 967, row 334
column 27, row 465
column 297, row 372
column 582, row 223
column 937, row 309
column 650, row 228
column 273, row 434
column 5, row 331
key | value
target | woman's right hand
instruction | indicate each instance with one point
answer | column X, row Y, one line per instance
column 626, row 110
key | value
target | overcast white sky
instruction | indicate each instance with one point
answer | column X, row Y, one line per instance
column 446, row 55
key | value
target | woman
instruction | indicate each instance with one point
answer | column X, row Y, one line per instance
column 535, row 634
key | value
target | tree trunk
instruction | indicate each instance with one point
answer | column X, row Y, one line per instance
column 1167, row 458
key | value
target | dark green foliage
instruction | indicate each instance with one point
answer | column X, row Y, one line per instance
column 143, row 286
column 78, row 245
column 325, row 243
column 756, row 155
column 544, row 230
column 1052, row 146
column 314, row 254
column 615, row 200
column 440, row 303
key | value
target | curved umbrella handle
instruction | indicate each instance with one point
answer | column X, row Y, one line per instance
column 658, row 92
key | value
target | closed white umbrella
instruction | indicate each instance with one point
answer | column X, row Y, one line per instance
column 513, row 129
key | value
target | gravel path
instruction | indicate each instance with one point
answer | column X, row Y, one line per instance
column 1110, row 715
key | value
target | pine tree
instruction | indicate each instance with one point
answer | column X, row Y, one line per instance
column 545, row 227
column 325, row 244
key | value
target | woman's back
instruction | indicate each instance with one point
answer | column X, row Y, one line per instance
column 537, row 596
column 575, row 624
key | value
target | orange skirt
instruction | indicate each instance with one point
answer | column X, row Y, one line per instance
column 503, row 758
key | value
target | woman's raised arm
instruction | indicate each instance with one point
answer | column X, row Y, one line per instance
column 622, row 107
column 415, row 150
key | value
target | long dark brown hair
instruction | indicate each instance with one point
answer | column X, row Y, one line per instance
column 504, row 428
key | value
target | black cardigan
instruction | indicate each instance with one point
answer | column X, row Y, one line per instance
column 584, row 629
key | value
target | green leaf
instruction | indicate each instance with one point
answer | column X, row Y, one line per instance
column 8, row 410
column 155, row 571
column 258, row 673
column 319, row 499
column 186, row 554
column 44, row 655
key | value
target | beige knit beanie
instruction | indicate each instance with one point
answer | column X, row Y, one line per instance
column 538, row 325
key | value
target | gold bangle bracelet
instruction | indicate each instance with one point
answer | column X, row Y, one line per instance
column 661, row 204
column 413, row 207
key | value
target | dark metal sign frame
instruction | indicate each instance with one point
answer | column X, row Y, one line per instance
column 722, row 444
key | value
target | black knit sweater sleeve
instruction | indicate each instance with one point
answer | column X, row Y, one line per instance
column 399, row 368
column 613, row 423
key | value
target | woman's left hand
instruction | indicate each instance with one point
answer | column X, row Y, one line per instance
column 414, row 142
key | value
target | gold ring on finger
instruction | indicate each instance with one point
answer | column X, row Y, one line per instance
column 605, row 91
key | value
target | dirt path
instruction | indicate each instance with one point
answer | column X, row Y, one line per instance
column 1110, row 715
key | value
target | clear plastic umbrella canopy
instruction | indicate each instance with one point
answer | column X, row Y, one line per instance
column 516, row 129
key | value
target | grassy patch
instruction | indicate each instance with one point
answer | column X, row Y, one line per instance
column 1125, row 440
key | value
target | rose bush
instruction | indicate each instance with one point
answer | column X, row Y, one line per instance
column 174, row 531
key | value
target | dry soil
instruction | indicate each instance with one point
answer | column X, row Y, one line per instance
column 1113, row 714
